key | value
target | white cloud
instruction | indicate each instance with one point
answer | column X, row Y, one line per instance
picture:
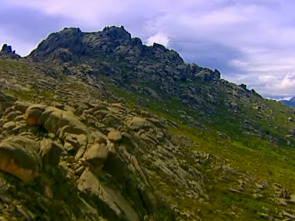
column 269, row 71
column 287, row 84
column 158, row 38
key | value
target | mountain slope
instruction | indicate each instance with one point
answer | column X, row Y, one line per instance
column 160, row 74
column 130, row 132
column 290, row 103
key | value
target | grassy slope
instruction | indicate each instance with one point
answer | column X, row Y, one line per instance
column 257, row 159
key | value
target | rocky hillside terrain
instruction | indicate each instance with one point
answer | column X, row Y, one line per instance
column 98, row 126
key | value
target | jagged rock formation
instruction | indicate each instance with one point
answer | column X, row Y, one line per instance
column 130, row 64
column 6, row 52
column 72, row 45
column 76, row 144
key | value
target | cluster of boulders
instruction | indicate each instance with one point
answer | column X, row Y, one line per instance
column 101, row 153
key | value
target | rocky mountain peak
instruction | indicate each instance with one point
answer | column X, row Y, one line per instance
column 159, row 47
column 117, row 33
column 112, row 51
column 72, row 45
column 6, row 48
column 7, row 52
column 59, row 46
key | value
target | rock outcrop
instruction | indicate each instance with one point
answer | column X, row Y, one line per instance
column 103, row 163
column 7, row 52
column 18, row 156
column 6, row 101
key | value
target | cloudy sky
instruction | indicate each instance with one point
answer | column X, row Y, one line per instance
column 249, row 41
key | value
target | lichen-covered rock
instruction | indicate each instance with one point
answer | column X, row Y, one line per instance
column 55, row 120
column 64, row 124
column 6, row 101
column 112, row 199
column 96, row 152
column 61, row 122
column 114, row 135
column 137, row 123
column 50, row 153
column 19, row 157
column 33, row 114
column 96, row 156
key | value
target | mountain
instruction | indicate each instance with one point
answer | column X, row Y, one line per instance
column 290, row 103
column 98, row 126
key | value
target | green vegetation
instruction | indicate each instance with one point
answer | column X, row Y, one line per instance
column 266, row 158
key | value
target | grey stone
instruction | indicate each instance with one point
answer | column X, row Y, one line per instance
column 50, row 152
